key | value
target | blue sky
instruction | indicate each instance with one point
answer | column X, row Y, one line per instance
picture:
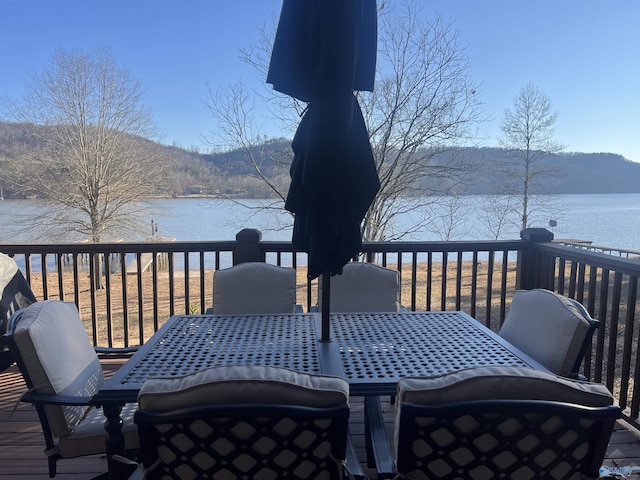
column 584, row 54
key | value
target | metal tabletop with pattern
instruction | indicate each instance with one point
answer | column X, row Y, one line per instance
column 377, row 349
column 372, row 350
column 188, row 343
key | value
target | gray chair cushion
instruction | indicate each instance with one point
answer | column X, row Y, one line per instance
column 88, row 436
column 490, row 383
column 254, row 287
column 364, row 287
column 15, row 292
column 243, row 385
column 8, row 268
column 59, row 358
column 548, row 327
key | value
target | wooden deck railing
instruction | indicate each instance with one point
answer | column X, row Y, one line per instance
column 125, row 291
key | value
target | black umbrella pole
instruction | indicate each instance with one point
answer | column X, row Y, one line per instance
column 326, row 307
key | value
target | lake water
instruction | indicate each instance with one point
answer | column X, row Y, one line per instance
column 611, row 220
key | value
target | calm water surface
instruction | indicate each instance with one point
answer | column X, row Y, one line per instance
column 612, row 220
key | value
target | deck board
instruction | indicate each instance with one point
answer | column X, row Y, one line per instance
column 21, row 442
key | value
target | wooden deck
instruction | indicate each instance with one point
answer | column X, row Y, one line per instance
column 21, row 443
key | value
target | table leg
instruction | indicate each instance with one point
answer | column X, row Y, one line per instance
column 376, row 442
column 114, row 441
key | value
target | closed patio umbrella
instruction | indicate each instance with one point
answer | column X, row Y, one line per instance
column 324, row 50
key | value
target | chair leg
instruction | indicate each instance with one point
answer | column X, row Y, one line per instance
column 353, row 462
column 53, row 467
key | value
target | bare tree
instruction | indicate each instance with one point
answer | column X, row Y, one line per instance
column 449, row 224
column 528, row 134
column 92, row 166
column 423, row 104
column 496, row 212
column 237, row 130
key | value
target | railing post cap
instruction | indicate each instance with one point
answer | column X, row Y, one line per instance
column 536, row 235
column 249, row 235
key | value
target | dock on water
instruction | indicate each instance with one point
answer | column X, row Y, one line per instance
column 146, row 259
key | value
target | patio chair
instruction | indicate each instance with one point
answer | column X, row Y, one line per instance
column 15, row 293
column 240, row 422
column 62, row 373
column 501, row 422
column 552, row 329
column 254, row 287
column 364, row 287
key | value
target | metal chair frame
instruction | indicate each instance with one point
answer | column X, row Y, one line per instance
column 594, row 325
column 220, row 424
column 510, row 439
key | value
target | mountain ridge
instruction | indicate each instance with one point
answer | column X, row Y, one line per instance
column 230, row 174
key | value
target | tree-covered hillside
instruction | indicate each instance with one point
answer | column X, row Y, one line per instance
column 232, row 173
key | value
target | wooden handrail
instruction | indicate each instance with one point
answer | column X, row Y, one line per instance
column 478, row 277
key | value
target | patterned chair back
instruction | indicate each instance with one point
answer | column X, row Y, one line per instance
column 244, row 422
column 502, row 422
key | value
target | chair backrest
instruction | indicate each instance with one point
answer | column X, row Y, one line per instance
column 502, row 422
column 254, row 287
column 364, row 287
column 550, row 328
column 238, row 422
column 15, row 293
column 55, row 356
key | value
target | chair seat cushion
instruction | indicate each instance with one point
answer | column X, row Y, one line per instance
column 8, row 268
column 363, row 287
column 88, row 437
column 254, row 287
column 491, row 383
column 243, row 385
column 59, row 358
column 15, row 292
column 548, row 327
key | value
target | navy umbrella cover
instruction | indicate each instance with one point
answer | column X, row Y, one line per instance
column 324, row 50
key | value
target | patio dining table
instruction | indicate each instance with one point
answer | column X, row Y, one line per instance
column 371, row 350
column 378, row 349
